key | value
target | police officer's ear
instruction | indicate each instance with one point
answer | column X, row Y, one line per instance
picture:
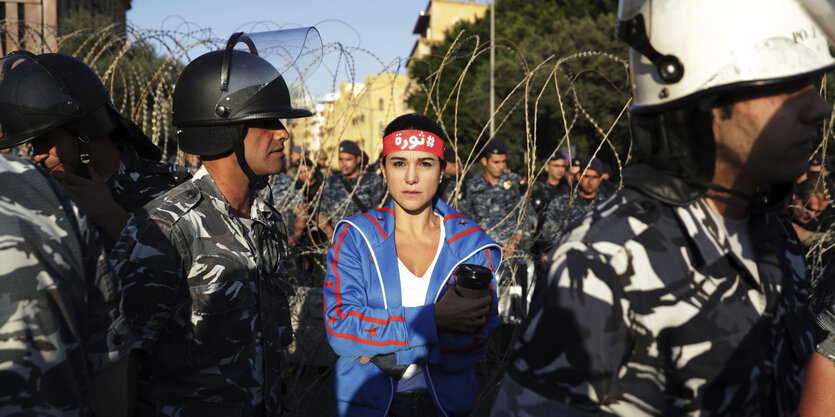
column 484, row 160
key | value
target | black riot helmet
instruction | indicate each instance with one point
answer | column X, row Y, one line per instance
column 40, row 93
column 220, row 91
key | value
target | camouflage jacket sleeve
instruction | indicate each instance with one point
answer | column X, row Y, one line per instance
column 552, row 219
column 108, row 337
column 824, row 307
column 148, row 264
column 582, row 306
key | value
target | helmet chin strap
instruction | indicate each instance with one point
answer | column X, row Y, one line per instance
column 256, row 182
column 84, row 149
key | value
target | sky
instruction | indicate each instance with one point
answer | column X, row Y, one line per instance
column 382, row 27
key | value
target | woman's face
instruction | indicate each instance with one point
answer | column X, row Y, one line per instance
column 412, row 178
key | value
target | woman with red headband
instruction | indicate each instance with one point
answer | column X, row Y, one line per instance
column 407, row 345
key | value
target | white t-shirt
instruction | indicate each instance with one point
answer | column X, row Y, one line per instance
column 413, row 294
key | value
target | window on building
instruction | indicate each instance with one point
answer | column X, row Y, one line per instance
column 380, row 105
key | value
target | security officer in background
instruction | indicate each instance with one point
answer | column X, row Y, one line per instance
column 495, row 200
column 568, row 207
column 553, row 184
column 685, row 293
column 203, row 266
column 99, row 156
column 351, row 191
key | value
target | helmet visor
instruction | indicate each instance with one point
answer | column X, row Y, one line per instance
column 293, row 54
column 32, row 101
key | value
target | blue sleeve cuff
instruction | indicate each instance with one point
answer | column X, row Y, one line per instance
column 420, row 322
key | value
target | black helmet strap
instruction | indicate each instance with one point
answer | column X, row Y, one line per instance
column 256, row 182
column 84, row 149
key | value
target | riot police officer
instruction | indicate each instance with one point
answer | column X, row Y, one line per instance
column 203, row 266
column 60, row 105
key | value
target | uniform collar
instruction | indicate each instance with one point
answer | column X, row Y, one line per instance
column 259, row 210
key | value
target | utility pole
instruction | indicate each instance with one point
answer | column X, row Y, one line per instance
column 492, row 67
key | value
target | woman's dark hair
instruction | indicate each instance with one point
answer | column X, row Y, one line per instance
column 414, row 121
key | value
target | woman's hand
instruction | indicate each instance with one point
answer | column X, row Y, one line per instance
column 363, row 359
column 464, row 315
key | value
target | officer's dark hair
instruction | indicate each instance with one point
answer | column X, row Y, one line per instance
column 414, row 121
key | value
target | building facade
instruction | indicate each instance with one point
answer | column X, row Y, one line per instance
column 440, row 16
column 358, row 112
column 34, row 24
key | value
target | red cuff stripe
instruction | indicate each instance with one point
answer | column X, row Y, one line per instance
column 464, row 233
column 367, row 342
column 375, row 320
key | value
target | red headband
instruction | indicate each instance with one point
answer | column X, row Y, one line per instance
column 413, row 140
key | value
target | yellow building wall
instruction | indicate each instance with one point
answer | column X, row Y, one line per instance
column 360, row 113
column 443, row 14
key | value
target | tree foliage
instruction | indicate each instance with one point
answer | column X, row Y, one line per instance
column 139, row 78
column 560, row 78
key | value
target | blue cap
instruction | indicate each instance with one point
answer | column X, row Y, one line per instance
column 450, row 155
column 495, row 146
column 351, row 147
column 595, row 165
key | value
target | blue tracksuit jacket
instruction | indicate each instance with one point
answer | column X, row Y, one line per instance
column 364, row 316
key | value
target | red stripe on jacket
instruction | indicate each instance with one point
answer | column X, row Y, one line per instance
column 453, row 216
column 367, row 342
column 380, row 229
column 462, row 234
column 338, row 297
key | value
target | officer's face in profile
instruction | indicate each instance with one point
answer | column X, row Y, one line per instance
column 768, row 134
column 348, row 164
column 264, row 146
column 412, row 178
column 494, row 165
column 58, row 151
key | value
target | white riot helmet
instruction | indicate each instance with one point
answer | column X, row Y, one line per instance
column 687, row 49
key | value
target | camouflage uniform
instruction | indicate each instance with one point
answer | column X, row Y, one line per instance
column 823, row 302
column 284, row 198
column 206, row 297
column 562, row 211
column 548, row 191
column 447, row 189
column 647, row 311
column 60, row 318
column 137, row 181
column 336, row 203
column 490, row 206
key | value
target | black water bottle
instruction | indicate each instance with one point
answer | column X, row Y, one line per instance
column 472, row 281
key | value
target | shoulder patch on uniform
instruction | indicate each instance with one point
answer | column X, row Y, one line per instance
column 175, row 203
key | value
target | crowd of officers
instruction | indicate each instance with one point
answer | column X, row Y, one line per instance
column 161, row 226
column 526, row 218
column 131, row 286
